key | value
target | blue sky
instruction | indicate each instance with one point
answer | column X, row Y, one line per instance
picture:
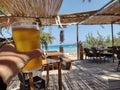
column 74, row 6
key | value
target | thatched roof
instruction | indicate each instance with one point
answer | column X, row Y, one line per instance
column 64, row 18
column 26, row 11
column 32, row 8
column 29, row 9
column 107, row 15
column 76, row 17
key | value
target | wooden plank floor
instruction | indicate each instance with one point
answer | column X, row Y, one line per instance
column 84, row 75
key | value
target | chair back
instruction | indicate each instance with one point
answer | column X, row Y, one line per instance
column 87, row 51
column 118, row 52
column 94, row 50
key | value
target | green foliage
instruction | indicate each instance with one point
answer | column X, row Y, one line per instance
column 108, row 41
column 117, row 41
column 118, row 34
column 46, row 38
column 90, row 39
column 98, row 41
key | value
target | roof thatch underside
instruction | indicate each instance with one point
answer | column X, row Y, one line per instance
column 32, row 8
column 76, row 17
column 29, row 9
column 64, row 19
column 26, row 11
column 107, row 15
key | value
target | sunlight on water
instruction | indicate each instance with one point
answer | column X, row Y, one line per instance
column 72, row 48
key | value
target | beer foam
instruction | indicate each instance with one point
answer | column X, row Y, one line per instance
column 25, row 26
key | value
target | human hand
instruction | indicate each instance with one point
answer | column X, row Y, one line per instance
column 12, row 61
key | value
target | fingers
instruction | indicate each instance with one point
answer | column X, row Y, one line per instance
column 8, row 46
column 35, row 53
column 30, row 55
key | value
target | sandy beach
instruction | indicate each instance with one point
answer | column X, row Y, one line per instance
column 73, row 56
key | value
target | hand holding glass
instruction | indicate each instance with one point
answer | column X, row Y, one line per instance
column 27, row 38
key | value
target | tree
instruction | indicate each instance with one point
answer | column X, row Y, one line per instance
column 90, row 40
column 117, row 41
column 46, row 38
column 98, row 41
column 108, row 41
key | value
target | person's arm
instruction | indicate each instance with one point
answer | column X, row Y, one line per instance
column 12, row 61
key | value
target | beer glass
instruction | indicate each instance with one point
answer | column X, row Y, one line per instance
column 27, row 38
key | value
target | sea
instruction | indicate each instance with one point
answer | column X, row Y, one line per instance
column 68, row 48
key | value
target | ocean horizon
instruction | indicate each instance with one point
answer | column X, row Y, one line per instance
column 68, row 48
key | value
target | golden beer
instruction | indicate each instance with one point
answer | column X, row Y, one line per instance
column 27, row 39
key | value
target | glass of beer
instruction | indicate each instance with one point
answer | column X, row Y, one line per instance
column 27, row 38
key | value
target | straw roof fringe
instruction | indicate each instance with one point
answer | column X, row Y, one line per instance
column 107, row 15
column 32, row 8
column 21, row 10
column 26, row 11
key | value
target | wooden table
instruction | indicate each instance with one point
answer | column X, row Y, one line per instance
column 54, row 54
column 53, row 57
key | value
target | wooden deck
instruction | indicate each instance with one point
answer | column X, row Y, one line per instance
column 84, row 75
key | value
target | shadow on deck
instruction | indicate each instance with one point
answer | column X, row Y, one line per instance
column 84, row 75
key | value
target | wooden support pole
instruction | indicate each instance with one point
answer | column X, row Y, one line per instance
column 112, row 41
column 77, row 38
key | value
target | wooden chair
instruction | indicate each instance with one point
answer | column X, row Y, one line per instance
column 88, row 54
column 66, row 62
column 54, row 60
column 117, row 50
column 97, row 54
column 107, row 56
